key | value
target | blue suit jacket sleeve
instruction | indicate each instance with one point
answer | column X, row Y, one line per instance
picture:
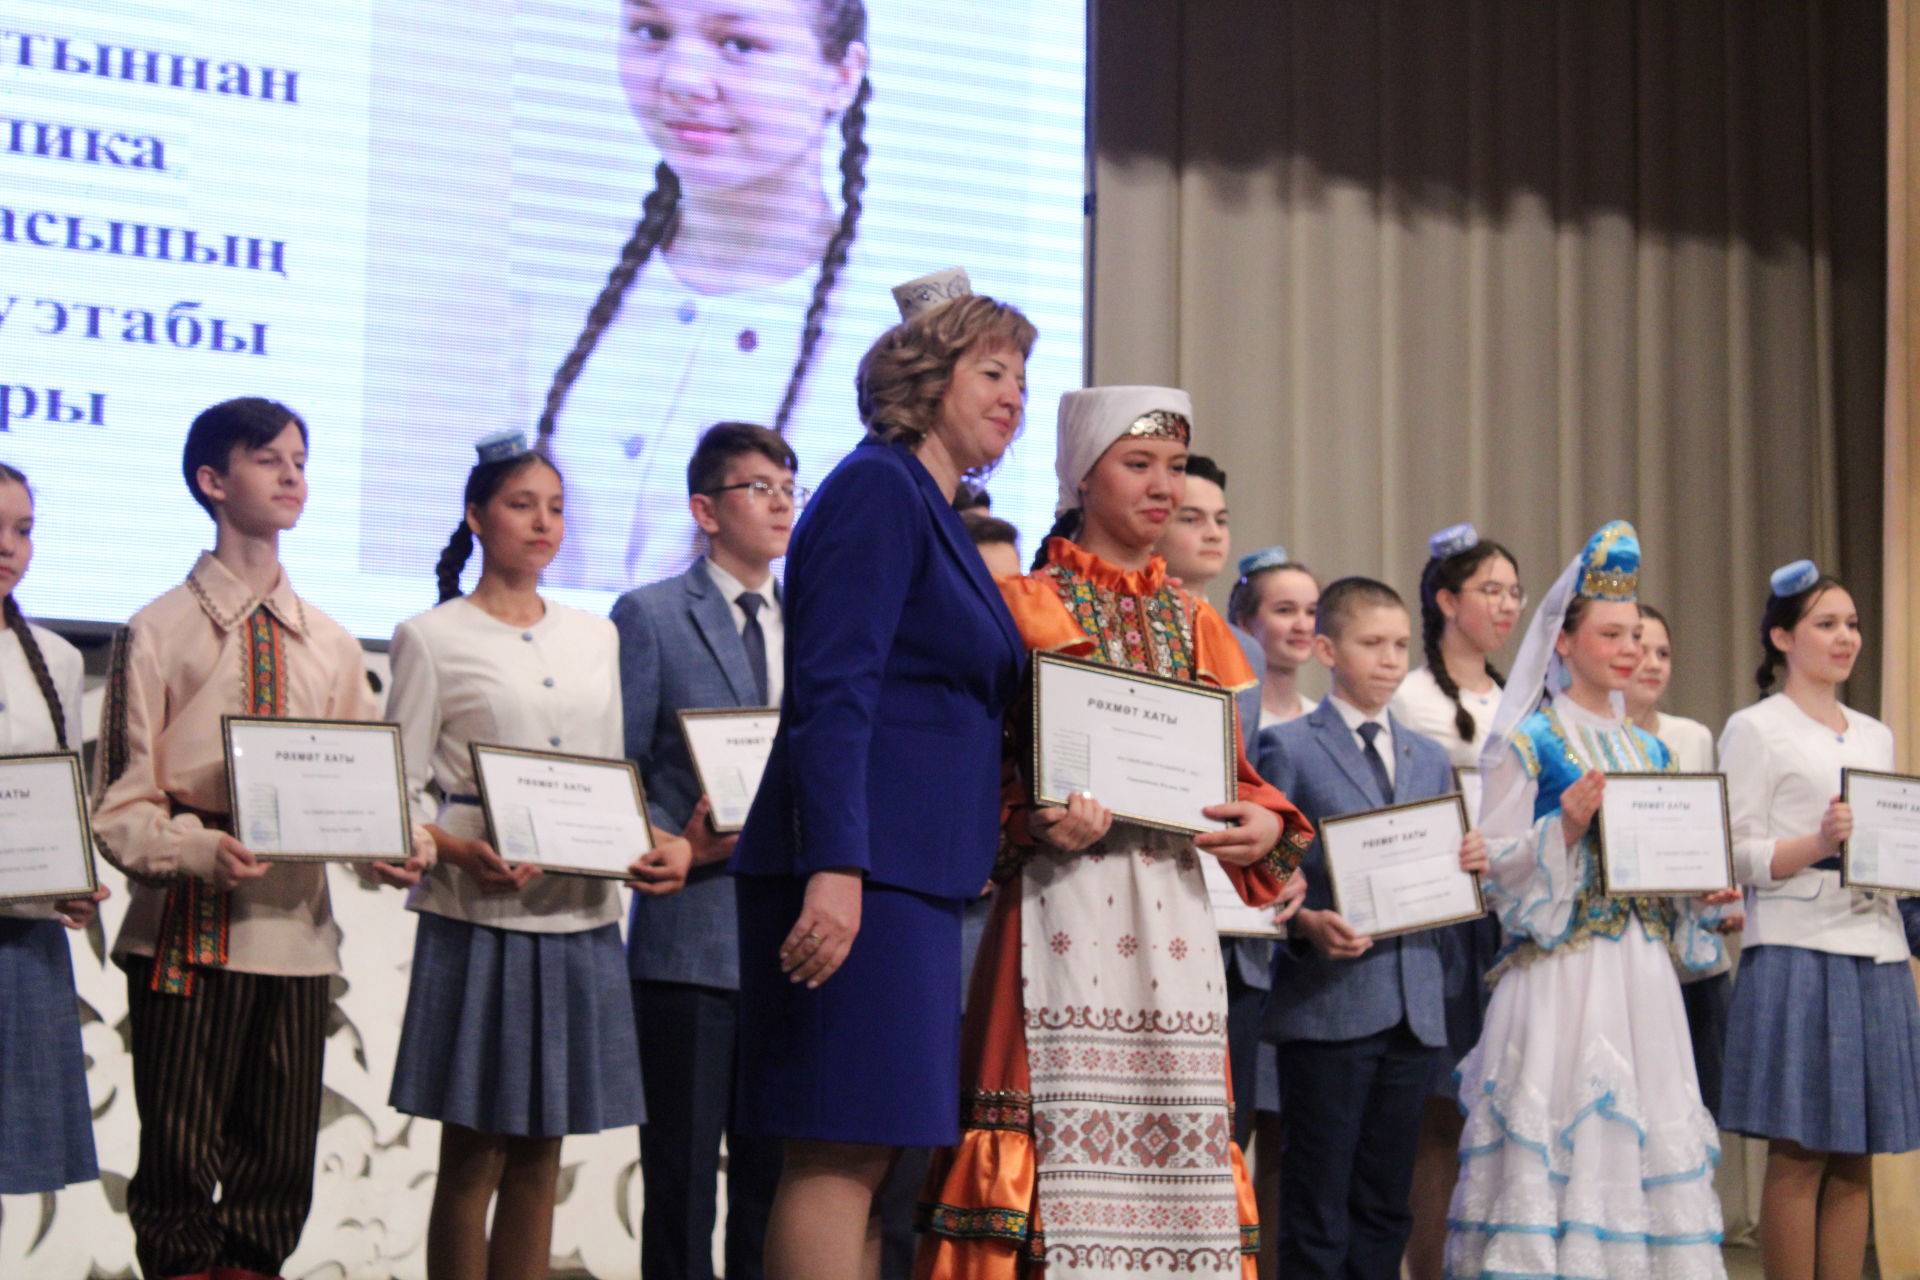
column 639, row 687
column 851, row 571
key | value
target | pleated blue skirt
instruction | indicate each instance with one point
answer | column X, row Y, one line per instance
column 1823, row 1050
column 523, row 1034
column 46, row 1122
column 873, row 1054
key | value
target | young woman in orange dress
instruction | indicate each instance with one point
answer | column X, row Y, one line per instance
column 1097, row 1115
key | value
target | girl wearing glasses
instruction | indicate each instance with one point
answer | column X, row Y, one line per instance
column 724, row 300
column 1470, row 601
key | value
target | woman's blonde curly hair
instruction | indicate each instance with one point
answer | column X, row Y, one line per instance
column 906, row 372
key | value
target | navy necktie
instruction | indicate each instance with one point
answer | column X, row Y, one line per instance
column 755, row 640
column 1368, row 732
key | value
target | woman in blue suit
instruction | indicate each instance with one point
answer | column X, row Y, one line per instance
column 878, row 816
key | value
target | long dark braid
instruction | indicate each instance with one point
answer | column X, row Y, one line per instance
column 1433, row 624
column 16, row 622
column 657, row 214
column 1450, row 573
column 853, row 184
column 1067, row 525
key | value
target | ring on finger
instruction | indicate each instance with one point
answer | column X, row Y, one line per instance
column 814, row 938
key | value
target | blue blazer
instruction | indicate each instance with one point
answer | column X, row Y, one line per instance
column 680, row 650
column 1318, row 763
column 901, row 660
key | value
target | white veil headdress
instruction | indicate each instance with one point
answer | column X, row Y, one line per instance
column 1607, row 568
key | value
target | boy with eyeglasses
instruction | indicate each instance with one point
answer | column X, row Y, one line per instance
column 709, row 637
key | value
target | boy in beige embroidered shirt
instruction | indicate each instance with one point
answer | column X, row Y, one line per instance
column 228, row 957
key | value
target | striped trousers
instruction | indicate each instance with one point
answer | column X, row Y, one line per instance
column 227, row 1081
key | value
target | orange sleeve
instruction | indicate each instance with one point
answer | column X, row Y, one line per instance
column 1259, row 883
column 1217, row 656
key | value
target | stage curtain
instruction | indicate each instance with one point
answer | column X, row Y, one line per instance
column 1536, row 265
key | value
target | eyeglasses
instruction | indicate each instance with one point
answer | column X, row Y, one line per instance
column 761, row 491
column 1493, row 593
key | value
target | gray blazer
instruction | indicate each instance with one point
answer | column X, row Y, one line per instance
column 680, row 648
column 1318, row 763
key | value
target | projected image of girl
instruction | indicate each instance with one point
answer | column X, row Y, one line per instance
column 722, row 303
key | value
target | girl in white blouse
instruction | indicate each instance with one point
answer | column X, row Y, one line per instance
column 46, row 1122
column 1823, row 1041
column 1470, row 601
column 519, row 1026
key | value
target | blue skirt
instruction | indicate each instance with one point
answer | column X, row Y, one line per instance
column 1823, row 1050
column 872, row 1055
column 46, row 1122
column 522, row 1034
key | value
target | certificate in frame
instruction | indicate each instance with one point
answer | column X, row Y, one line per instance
column 46, row 843
column 1884, row 854
column 317, row 786
column 1111, row 708
column 1688, row 795
column 573, row 804
column 1344, row 843
column 729, row 764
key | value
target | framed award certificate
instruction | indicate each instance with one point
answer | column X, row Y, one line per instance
column 1884, row 853
column 580, row 815
column 1397, row 870
column 46, row 846
column 729, row 747
column 1472, row 792
column 318, row 790
column 1155, row 751
column 1664, row 834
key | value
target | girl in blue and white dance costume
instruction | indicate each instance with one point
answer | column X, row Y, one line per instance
column 1587, row 1152
column 46, row 1123
column 1823, row 1038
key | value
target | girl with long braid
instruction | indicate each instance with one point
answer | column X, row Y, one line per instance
column 1470, row 601
column 722, row 301
column 519, row 1026
column 46, row 1122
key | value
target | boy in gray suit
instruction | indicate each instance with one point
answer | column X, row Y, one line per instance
column 1359, row 1021
column 710, row 637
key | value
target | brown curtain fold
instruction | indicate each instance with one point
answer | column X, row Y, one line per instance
column 1537, row 265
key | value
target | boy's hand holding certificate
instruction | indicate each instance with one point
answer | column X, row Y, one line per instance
column 1399, row 869
column 317, row 790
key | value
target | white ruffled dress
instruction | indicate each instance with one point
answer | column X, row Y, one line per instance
column 1587, row 1152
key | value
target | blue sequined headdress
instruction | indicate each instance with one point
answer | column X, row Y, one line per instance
column 1611, row 564
column 1607, row 568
